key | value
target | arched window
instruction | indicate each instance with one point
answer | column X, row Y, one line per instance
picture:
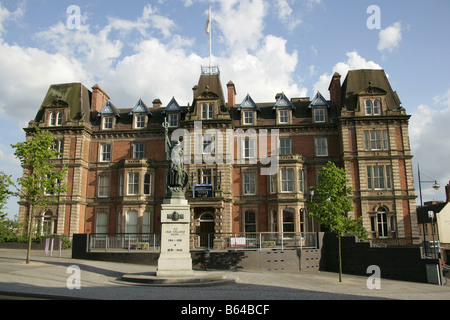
column 368, row 107
column 146, row 224
column 288, row 220
column 101, row 225
column 376, row 107
column 49, row 223
column 382, row 223
column 131, row 222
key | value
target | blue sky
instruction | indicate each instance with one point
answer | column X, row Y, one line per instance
column 154, row 49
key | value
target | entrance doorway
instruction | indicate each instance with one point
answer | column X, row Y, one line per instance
column 206, row 230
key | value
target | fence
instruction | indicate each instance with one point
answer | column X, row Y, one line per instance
column 124, row 241
column 224, row 241
column 269, row 240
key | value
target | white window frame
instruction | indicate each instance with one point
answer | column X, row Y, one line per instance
column 131, row 221
column 139, row 121
column 287, row 178
column 58, row 145
column 376, row 107
column 147, row 222
column 207, row 111
column 249, row 183
column 56, row 119
column 248, row 117
column 133, row 183
column 249, row 148
column 284, row 116
column 301, row 181
column 273, row 183
column 173, row 120
column 107, row 122
column 148, row 184
column 105, row 152
column 138, row 150
column 379, row 177
column 285, row 146
column 103, row 185
column 376, row 140
column 121, row 180
column 319, row 116
column 321, row 146
column 101, row 223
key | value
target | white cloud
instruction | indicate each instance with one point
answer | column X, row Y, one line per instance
column 6, row 15
column 26, row 76
column 390, row 37
column 285, row 14
column 241, row 30
column 354, row 62
column 430, row 145
column 258, row 64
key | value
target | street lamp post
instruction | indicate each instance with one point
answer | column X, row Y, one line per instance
column 432, row 216
column 436, row 186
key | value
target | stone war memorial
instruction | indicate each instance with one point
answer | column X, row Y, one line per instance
column 175, row 258
column 175, row 262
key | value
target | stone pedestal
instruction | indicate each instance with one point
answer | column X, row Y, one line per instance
column 175, row 259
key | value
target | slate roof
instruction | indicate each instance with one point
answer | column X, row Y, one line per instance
column 75, row 95
column 358, row 80
column 435, row 207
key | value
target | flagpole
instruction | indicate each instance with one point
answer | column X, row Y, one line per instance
column 210, row 40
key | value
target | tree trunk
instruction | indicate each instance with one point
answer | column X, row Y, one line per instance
column 30, row 233
column 340, row 259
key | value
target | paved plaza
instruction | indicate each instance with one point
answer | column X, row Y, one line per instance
column 51, row 276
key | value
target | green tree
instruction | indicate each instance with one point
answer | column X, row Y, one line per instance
column 43, row 176
column 332, row 205
column 6, row 184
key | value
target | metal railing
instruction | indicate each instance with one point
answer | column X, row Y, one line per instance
column 124, row 241
column 224, row 241
column 259, row 240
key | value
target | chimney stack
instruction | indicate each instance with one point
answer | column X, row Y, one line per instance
column 447, row 192
column 194, row 91
column 231, row 94
column 98, row 100
column 336, row 91
column 157, row 103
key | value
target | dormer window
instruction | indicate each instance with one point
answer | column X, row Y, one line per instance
column 248, row 109
column 173, row 113
column 207, row 111
column 56, row 119
column 284, row 109
column 284, row 116
column 373, row 107
column 319, row 115
column 173, row 120
column 140, row 115
column 139, row 121
column 108, row 116
column 319, row 107
column 107, row 122
column 249, row 117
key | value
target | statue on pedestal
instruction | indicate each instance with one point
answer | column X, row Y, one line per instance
column 177, row 177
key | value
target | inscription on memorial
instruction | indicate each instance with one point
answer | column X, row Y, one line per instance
column 175, row 240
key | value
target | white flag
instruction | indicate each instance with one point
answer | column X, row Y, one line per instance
column 208, row 22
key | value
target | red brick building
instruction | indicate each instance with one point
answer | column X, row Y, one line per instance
column 117, row 167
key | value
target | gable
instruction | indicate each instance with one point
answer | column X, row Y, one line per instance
column 319, row 101
column 173, row 106
column 248, row 104
column 283, row 102
column 140, row 107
